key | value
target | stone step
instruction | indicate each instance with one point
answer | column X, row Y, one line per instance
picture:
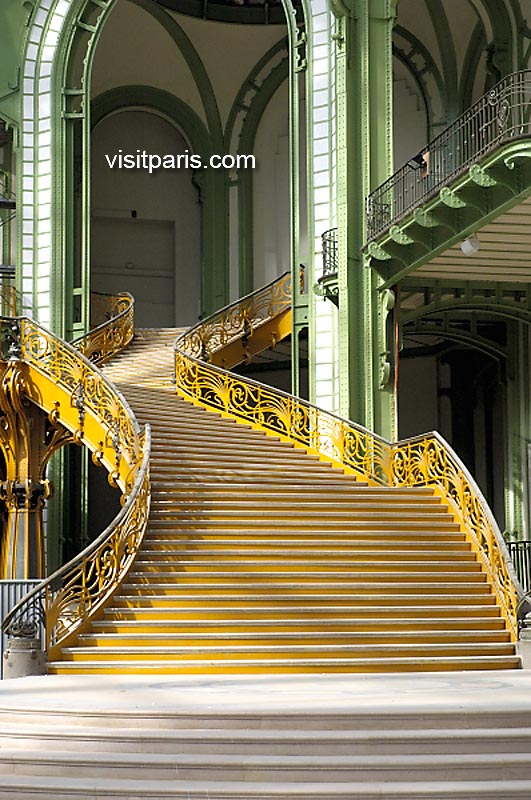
column 300, row 665
column 333, row 507
column 300, row 547
column 74, row 738
column 283, row 652
column 365, row 628
column 182, row 442
column 134, row 608
column 286, row 530
column 209, row 471
column 284, row 517
column 101, row 637
column 277, row 462
column 323, row 484
column 423, row 528
column 265, row 459
column 273, row 584
column 283, row 600
column 280, row 769
column 97, row 788
column 167, row 568
column 342, row 485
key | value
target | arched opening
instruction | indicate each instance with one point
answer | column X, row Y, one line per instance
column 186, row 240
column 145, row 225
column 454, row 383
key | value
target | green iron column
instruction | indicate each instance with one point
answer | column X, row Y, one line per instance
column 364, row 101
column 518, row 420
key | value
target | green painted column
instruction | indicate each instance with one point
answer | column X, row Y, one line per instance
column 518, row 421
column 364, row 100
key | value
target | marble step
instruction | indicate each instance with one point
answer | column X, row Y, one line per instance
column 272, row 584
column 278, row 768
column 363, row 628
column 283, row 600
column 318, row 506
column 101, row 637
column 97, row 788
column 263, row 741
column 187, row 557
column 300, row 547
column 287, row 666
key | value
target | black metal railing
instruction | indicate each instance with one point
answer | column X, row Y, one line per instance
column 329, row 240
column 503, row 114
column 520, row 553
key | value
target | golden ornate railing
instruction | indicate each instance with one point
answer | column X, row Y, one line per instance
column 112, row 326
column 80, row 396
column 70, row 596
column 430, row 461
column 420, row 461
column 74, row 392
column 239, row 319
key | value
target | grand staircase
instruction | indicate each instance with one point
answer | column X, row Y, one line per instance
column 261, row 558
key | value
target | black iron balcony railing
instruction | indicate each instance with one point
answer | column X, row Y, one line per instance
column 501, row 115
column 8, row 204
column 520, row 553
column 329, row 239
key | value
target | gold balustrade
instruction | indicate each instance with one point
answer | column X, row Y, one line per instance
column 84, row 401
column 239, row 319
column 430, row 461
column 112, row 326
column 79, row 401
column 421, row 461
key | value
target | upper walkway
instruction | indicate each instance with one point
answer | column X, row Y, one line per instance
column 460, row 208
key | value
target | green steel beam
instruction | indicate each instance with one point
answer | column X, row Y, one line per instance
column 364, row 95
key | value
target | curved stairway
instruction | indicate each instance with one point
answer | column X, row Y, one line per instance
column 261, row 558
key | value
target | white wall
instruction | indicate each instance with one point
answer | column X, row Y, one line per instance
column 271, row 191
column 135, row 49
column 157, row 253
column 410, row 125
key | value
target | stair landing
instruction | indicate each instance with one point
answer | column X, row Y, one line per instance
column 459, row 736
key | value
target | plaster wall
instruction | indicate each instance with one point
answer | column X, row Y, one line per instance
column 135, row 49
column 229, row 52
column 410, row 128
column 146, row 235
column 271, row 191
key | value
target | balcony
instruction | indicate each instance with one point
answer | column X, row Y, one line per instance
column 461, row 207
column 327, row 284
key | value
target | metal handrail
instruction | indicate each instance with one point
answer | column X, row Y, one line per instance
column 114, row 333
column 520, row 552
column 65, row 599
column 503, row 114
column 329, row 243
column 419, row 461
column 238, row 319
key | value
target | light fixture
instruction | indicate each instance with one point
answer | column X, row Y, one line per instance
column 470, row 245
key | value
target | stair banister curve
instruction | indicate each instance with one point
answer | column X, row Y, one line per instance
column 114, row 332
column 426, row 460
column 75, row 393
